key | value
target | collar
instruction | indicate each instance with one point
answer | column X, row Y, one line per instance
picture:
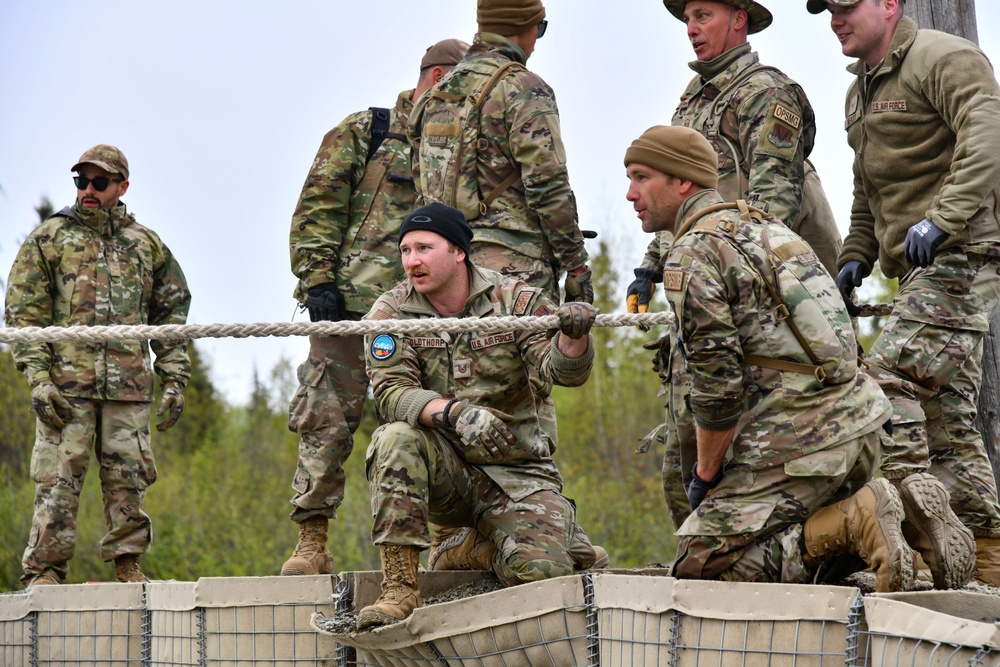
column 693, row 204
column 476, row 305
column 404, row 105
column 902, row 40
column 104, row 222
column 489, row 42
column 723, row 68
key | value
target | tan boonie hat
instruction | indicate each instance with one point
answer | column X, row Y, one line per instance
column 447, row 53
column 107, row 157
column 819, row 6
column 676, row 151
column 508, row 17
column 760, row 18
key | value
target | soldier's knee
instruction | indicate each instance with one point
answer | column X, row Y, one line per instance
column 520, row 567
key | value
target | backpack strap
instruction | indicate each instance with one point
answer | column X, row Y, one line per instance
column 780, row 310
column 478, row 98
column 380, row 131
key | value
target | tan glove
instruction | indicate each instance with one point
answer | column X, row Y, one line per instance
column 576, row 318
column 483, row 431
column 172, row 406
column 50, row 405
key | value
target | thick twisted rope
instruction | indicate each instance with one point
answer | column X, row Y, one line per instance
column 449, row 325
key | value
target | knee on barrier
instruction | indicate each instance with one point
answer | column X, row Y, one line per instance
column 516, row 569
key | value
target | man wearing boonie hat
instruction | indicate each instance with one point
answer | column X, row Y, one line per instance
column 459, row 445
column 923, row 118
column 760, row 123
column 93, row 264
column 526, row 224
column 343, row 252
column 776, row 422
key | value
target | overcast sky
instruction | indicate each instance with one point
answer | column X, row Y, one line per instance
column 220, row 107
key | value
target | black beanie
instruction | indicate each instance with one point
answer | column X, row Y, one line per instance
column 441, row 219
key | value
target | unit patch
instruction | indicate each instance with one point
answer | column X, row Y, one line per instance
column 781, row 136
column 673, row 280
column 462, row 369
column 522, row 301
column 383, row 347
column 492, row 340
column 787, row 116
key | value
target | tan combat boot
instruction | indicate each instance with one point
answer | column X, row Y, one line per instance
column 311, row 555
column 127, row 569
column 460, row 549
column 47, row 578
column 400, row 595
column 988, row 561
column 936, row 532
column 868, row 524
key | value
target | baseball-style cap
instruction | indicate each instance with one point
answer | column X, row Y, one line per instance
column 819, row 6
column 107, row 157
column 759, row 16
column 446, row 53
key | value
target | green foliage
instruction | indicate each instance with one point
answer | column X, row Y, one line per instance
column 220, row 506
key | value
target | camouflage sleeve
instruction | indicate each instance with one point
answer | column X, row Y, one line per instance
column 771, row 126
column 169, row 304
column 322, row 215
column 703, row 272
column 29, row 304
column 861, row 244
column 536, row 145
column 539, row 348
column 656, row 251
column 964, row 90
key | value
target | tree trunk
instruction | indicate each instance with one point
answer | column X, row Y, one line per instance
column 958, row 17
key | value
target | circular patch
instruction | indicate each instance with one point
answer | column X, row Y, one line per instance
column 383, row 347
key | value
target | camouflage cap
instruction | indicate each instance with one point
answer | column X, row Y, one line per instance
column 447, row 52
column 759, row 16
column 508, row 17
column 107, row 157
column 819, row 6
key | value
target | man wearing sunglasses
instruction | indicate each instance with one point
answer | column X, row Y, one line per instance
column 343, row 251
column 93, row 264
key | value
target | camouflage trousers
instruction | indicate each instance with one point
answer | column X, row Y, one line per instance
column 750, row 527
column 928, row 361
column 118, row 432
column 325, row 412
column 417, row 476
column 536, row 273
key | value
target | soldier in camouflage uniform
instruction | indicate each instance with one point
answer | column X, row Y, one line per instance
column 923, row 118
column 93, row 264
column 461, row 443
column 785, row 432
column 342, row 251
column 530, row 229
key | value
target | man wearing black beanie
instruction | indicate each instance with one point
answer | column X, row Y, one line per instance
column 461, row 445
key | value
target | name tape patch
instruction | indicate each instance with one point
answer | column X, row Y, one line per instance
column 492, row 340
column 882, row 106
column 427, row 342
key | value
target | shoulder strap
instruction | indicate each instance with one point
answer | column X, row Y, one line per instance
column 380, row 131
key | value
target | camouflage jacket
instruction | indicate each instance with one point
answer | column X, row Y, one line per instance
column 100, row 270
column 723, row 314
column 763, row 134
column 489, row 370
column 537, row 216
column 346, row 224
column 925, row 129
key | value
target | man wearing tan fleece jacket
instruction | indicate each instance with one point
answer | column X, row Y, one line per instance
column 923, row 118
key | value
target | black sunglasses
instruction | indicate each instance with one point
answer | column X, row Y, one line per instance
column 101, row 183
column 542, row 27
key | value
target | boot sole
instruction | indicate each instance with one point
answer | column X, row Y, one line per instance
column 952, row 552
column 889, row 506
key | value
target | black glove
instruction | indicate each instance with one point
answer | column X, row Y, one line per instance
column 699, row 488
column 922, row 241
column 850, row 276
column 640, row 291
column 325, row 303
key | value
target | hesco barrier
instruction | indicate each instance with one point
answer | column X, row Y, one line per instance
column 613, row 618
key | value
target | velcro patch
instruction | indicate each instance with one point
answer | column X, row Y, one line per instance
column 427, row 342
column 542, row 311
column 791, row 249
column 522, row 301
column 492, row 340
column 786, row 115
column 888, row 105
column 380, row 315
column 674, row 280
column 383, row 347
